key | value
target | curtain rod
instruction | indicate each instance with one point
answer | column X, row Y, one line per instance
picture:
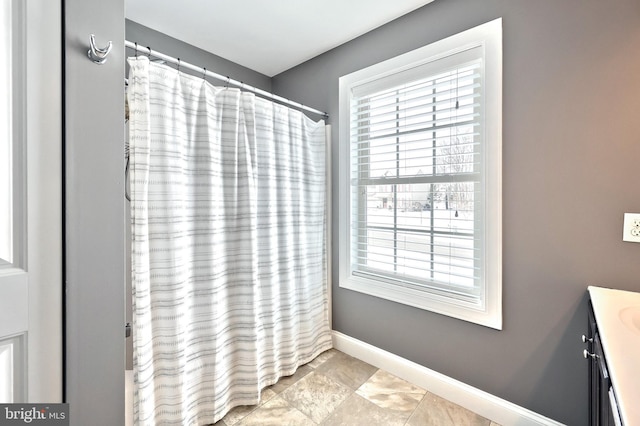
column 206, row 72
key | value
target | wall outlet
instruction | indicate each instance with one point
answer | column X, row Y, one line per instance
column 631, row 227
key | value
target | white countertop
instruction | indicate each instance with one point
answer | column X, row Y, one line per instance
column 617, row 313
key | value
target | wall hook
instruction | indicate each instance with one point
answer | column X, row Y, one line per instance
column 96, row 54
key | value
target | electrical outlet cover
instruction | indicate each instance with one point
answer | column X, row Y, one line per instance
column 631, row 227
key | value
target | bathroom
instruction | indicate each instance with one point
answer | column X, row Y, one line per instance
column 570, row 102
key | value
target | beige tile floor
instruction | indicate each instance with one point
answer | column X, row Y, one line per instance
column 336, row 389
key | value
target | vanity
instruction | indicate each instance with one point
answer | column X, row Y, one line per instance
column 613, row 352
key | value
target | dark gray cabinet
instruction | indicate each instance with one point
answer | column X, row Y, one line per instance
column 602, row 406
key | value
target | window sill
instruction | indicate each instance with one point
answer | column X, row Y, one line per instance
column 489, row 315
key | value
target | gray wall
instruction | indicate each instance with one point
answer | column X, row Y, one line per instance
column 94, row 212
column 145, row 36
column 571, row 148
column 163, row 43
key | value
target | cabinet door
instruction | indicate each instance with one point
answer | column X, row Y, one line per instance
column 614, row 413
column 594, row 382
column 604, row 383
column 594, row 393
column 603, row 409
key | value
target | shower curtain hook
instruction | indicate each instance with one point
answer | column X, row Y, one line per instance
column 149, row 52
column 178, row 64
column 226, row 86
column 204, row 73
column 136, row 50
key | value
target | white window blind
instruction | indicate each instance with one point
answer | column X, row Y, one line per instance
column 416, row 152
column 420, row 203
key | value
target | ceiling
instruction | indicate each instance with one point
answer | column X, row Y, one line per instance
column 267, row 36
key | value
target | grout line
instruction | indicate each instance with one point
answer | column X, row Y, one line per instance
column 353, row 393
column 426, row 392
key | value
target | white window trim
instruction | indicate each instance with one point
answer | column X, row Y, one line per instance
column 489, row 313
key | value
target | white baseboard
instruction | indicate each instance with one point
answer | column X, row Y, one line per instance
column 476, row 400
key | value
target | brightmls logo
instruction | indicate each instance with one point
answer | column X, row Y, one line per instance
column 37, row 414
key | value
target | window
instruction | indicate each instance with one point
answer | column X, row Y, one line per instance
column 420, row 177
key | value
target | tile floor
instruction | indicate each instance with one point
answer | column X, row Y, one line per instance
column 336, row 389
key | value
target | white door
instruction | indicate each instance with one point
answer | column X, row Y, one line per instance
column 30, row 202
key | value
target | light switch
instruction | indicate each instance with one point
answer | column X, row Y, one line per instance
column 631, row 227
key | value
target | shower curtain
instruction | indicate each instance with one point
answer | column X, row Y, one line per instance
column 228, row 245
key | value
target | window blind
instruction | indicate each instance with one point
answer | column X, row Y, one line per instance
column 416, row 177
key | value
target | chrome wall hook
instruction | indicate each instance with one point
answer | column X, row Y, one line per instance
column 96, row 54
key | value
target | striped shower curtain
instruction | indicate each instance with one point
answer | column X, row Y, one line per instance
column 228, row 245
